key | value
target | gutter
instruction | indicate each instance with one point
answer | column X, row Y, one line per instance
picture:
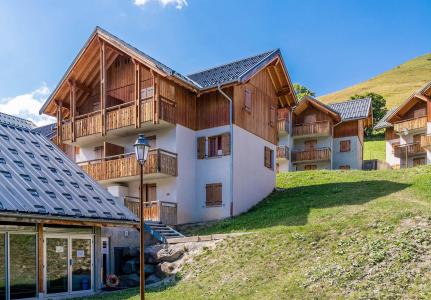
column 231, row 146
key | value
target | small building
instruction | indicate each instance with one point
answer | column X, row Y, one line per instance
column 407, row 131
column 323, row 136
column 51, row 218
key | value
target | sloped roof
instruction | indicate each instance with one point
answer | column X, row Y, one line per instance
column 16, row 121
column 352, row 109
column 383, row 122
column 49, row 131
column 230, row 72
column 39, row 180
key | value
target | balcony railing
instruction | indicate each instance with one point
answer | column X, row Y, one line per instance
column 118, row 116
column 322, row 128
column 125, row 165
column 283, row 125
column 282, row 152
column 157, row 211
column 411, row 124
column 319, row 154
column 426, row 141
column 408, row 149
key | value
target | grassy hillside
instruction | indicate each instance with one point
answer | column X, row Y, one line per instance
column 375, row 148
column 395, row 85
column 329, row 234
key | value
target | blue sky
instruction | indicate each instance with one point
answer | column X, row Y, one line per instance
column 327, row 45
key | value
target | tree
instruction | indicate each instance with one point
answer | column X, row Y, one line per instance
column 379, row 107
column 302, row 91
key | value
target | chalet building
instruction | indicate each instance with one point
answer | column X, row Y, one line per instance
column 51, row 219
column 407, row 131
column 203, row 165
column 322, row 136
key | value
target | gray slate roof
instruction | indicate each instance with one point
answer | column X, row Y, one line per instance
column 229, row 72
column 38, row 179
column 383, row 123
column 49, row 131
column 352, row 109
column 16, row 121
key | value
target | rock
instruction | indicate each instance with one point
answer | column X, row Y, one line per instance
column 152, row 279
column 151, row 254
column 166, row 269
column 170, row 254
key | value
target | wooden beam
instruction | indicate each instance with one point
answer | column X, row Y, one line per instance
column 72, row 101
column 137, row 73
column 83, row 87
column 156, row 97
column 40, row 258
column 285, row 90
column 59, row 122
column 103, row 85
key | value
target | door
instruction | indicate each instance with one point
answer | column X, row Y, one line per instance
column 105, row 260
column 68, row 264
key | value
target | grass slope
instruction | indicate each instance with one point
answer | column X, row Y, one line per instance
column 328, row 235
column 395, row 85
column 375, row 148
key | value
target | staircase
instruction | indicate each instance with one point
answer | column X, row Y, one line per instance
column 161, row 232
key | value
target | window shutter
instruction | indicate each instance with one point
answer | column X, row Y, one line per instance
column 345, row 146
column 213, row 194
column 225, row 143
column 247, row 100
column 201, row 147
column 268, row 158
column 272, row 115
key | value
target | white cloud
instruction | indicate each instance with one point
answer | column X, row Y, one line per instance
column 27, row 106
column 179, row 4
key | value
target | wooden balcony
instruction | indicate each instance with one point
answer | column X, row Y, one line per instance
column 408, row 149
column 319, row 154
column 156, row 211
column 122, row 167
column 411, row 124
column 117, row 117
column 283, row 152
column 426, row 141
column 323, row 128
column 283, row 126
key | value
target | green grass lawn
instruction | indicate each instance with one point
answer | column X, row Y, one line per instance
column 328, row 235
column 375, row 148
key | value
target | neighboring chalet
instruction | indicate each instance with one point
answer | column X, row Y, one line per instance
column 323, row 136
column 51, row 214
column 199, row 168
column 407, row 131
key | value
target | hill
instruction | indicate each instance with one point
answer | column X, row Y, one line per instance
column 395, row 85
column 327, row 235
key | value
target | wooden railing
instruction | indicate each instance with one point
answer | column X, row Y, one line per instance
column 157, row 211
column 119, row 116
column 88, row 124
column 168, row 111
column 283, row 152
column 319, row 154
column 283, row 125
column 125, row 165
column 411, row 149
column 316, row 128
column 411, row 124
column 426, row 141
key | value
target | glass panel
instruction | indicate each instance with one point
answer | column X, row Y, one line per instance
column 81, row 268
column 2, row 266
column 56, row 266
column 22, row 259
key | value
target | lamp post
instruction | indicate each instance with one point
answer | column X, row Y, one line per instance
column 142, row 147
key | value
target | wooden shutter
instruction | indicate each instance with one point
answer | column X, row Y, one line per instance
column 247, row 99
column 272, row 115
column 225, row 143
column 213, row 194
column 345, row 146
column 268, row 157
column 201, row 147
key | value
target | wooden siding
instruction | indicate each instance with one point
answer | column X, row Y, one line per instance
column 212, row 110
column 425, row 141
column 157, row 211
column 125, row 165
column 390, row 134
column 345, row 129
column 319, row 154
column 310, row 113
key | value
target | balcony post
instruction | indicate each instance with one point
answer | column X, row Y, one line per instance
column 156, row 99
column 137, row 94
column 59, row 123
column 72, row 94
column 102, row 85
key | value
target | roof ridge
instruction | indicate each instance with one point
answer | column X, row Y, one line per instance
column 232, row 62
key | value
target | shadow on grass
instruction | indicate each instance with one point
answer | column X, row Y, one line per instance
column 292, row 206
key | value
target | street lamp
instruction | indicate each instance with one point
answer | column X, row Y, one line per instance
column 142, row 146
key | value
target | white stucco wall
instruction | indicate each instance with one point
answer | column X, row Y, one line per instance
column 390, row 158
column 353, row 158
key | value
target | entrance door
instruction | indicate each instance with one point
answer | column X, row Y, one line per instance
column 68, row 264
column 105, row 259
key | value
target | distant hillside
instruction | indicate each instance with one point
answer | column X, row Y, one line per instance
column 395, row 85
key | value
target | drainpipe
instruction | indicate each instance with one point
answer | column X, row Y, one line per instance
column 231, row 146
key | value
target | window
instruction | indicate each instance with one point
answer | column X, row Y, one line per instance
column 310, row 167
column 419, row 161
column 217, row 146
column 272, row 116
column 247, row 100
column 213, row 194
column 269, row 158
column 345, row 146
column 345, row 167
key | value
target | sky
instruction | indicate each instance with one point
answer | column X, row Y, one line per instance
column 327, row 45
